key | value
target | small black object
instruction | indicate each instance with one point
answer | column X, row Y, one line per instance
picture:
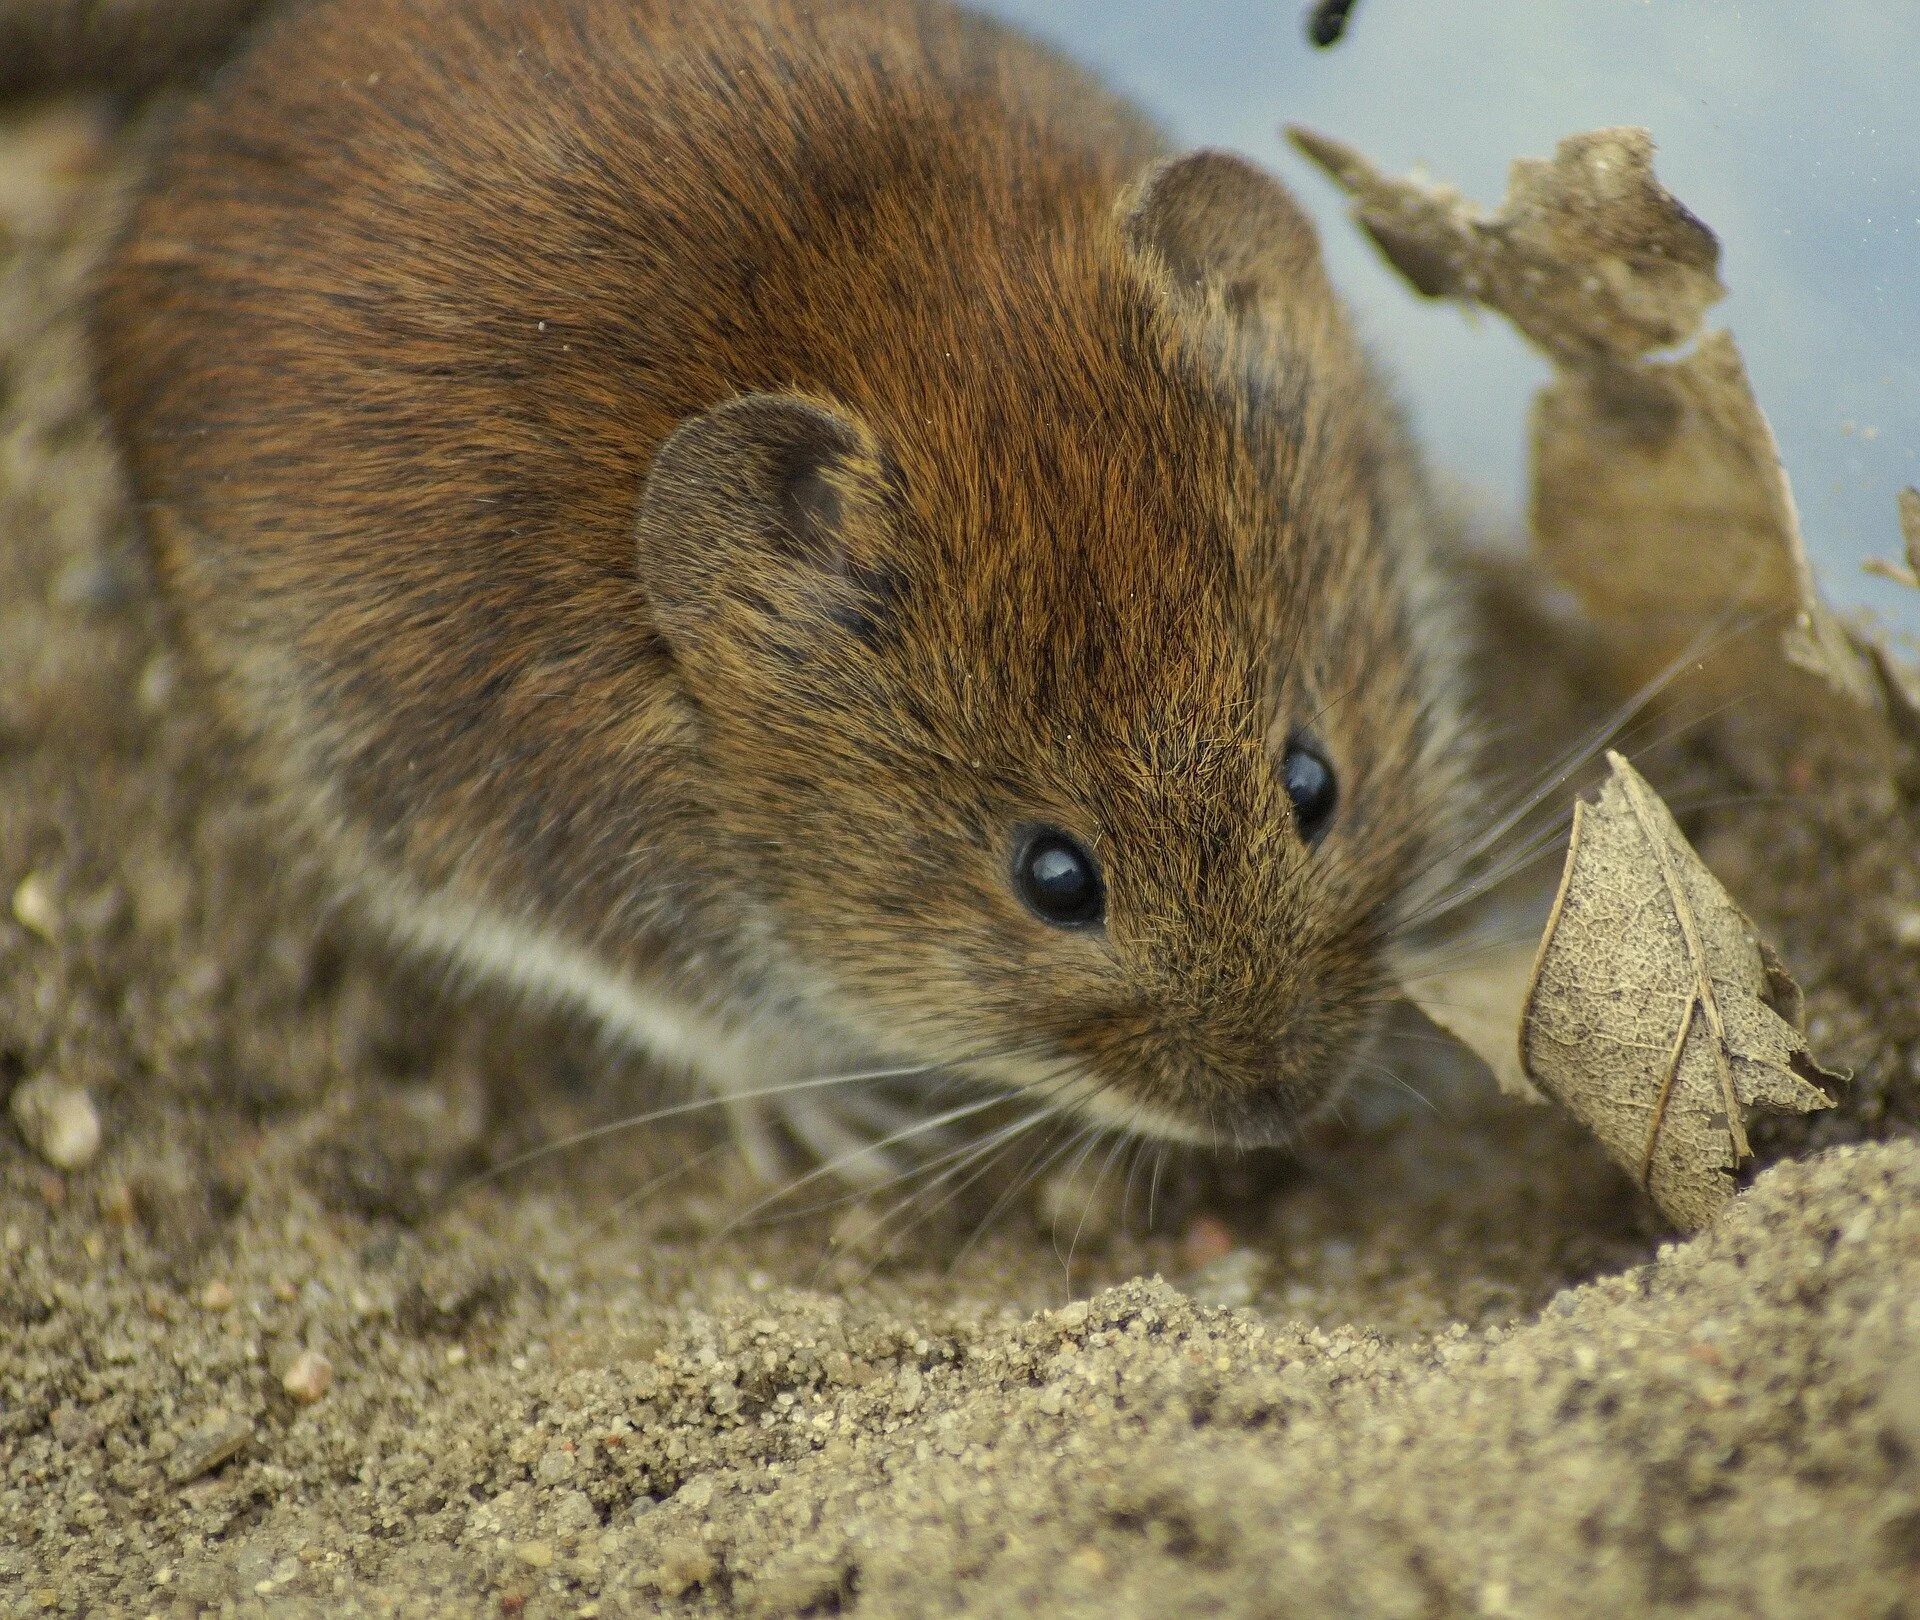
column 1328, row 21
column 1059, row 879
column 1312, row 786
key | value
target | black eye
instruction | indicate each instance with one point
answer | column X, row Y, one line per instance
column 1059, row 880
column 1311, row 786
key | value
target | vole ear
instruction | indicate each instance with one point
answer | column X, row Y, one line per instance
column 1216, row 224
column 760, row 526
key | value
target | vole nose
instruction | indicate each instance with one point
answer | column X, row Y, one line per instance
column 1301, row 1074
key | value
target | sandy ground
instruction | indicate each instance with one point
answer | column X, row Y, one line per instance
column 1443, row 1363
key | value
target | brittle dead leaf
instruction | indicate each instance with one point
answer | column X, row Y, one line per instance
column 1477, row 998
column 1897, row 695
column 1656, row 1015
column 1659, row 496
column 1907, row 573
column 1590, row 256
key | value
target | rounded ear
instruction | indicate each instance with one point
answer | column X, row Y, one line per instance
column 760, row 525
column 1213, row 223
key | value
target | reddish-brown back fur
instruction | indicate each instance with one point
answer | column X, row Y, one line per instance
column 418, row 291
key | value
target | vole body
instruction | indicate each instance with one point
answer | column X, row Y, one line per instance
column 689, row 499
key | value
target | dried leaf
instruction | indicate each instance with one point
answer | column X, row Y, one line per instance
column 1659, row 497
column 1656, row 1016
column 1898, row 699
column 1907, row 573
column 219, row 1438
column 1477, row 1000
column 1590, row 257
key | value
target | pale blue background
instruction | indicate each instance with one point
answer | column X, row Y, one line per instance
column 1791, row 126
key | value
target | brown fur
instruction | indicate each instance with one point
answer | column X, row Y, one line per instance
column 1071, row 499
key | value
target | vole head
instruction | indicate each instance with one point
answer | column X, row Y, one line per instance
column 1068, row 699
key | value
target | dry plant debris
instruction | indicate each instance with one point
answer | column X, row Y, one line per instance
column 1907, row 572
column 1476, row 998
column 1651, row 1011
column 1656, row 1015
column 1896, row 683
column 1658, row 494
column 1590, row 257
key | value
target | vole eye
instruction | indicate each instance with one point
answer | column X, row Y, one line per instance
column 1311, row 785
column 1059, row 880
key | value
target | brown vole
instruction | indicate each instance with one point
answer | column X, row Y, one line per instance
column 796, row 526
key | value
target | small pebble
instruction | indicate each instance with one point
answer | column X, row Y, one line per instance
column 57, row 1120
column 71, row 1426
column 33, row 906
column 310, row 1377
column 695, row 1494
column 1231, row 1281
column 1206, row 1239
column 217, row 1440
column 1900, row 1402
column 116, row 1203
column 92, row 585
column 535, row 1554
column 683, row 1565
column 1090, row 1560
column 157, row 683
column 216, row 1296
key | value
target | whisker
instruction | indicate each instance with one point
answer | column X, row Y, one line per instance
column 1443, row 964
column 1538, row 847
column 1043, row 1157
column 828, row 1166
column 981, row 1161
column 975, row 1158
column 679, row 1110
column 1122, row 1135
column 917, row 1169
column 1380, row 1071
column 1549, row 839
column 939, row 1065
column 602, row 1225
column 1460, row 855
column 1089, row 1136
column 1161, row 1151
column 1326, row 709
column 1137, row 1155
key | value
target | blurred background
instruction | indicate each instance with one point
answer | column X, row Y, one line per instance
column 1792, row 127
